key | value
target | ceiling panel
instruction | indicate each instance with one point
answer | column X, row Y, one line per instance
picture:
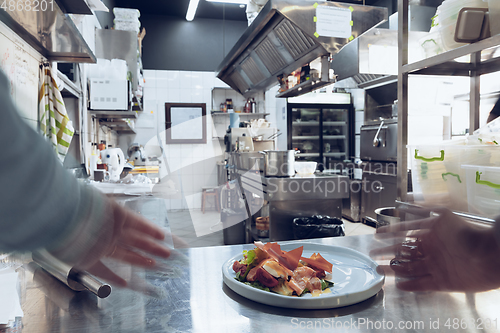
column 178, row 8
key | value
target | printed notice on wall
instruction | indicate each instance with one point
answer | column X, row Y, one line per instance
column 333, row 22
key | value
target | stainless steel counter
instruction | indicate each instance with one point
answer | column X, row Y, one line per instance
column 188, row 295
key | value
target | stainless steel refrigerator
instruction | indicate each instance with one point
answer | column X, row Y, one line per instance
column 323, row 133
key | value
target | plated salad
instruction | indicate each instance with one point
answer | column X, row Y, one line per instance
column 269, row 268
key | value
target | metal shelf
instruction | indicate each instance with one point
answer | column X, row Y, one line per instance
column 306, row 137
column 446, row 64
column 334, row 137
column 303, row 88
column 306, row 123
column 334, row 123
column 121, row 127
column 333, row 154
column 307, row 154
column 114, row 114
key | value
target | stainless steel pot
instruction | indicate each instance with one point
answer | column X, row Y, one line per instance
column 387, row 215
column 279, row 163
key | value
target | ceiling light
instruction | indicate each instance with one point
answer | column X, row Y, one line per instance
column 193, row 5
column 239, row 2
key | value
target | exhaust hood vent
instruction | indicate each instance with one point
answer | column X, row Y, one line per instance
column 270, row 56
column 250, row 67
column 294, row 40
column 285, row 37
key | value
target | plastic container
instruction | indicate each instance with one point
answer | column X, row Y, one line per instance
column 432, row 44
column 127, row 25
column 437, row 176
column 447, row 15
column 494, row 9
column 483, row 189
column 126, row 14
column 448, row 36
column 305, row 168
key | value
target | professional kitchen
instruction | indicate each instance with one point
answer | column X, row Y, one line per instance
column 250, row 166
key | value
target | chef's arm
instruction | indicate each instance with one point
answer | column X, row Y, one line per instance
column 42, row 204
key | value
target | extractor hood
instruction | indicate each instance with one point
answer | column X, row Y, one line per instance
column 52, row 31
column 288, row 34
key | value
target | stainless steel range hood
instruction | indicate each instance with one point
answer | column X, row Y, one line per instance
column 52, row 32
column 286, row 35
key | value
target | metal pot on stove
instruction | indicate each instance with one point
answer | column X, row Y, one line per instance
column 279, row 163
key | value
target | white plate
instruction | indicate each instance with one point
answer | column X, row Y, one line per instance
column 354, row 274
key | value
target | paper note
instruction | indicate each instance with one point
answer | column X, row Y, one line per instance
column 10, row 307
column 333, row 22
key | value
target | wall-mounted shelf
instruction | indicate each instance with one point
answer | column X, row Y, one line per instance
column 121, row 127
column 113, row 114
column 304, row 87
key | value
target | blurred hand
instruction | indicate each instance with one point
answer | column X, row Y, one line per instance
column 447, row 253
column 134, row 240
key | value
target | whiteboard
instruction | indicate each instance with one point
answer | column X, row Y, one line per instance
column 21, row 64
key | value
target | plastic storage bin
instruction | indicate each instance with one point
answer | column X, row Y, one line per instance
column 447, row 15
column 483, row 189
column 126, row 14
column 437, row 176
column 494, row 9
column 127, row 25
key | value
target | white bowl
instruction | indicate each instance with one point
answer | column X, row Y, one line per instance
column 305, row 168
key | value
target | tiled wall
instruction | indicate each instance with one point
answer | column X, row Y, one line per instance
column 195, row 164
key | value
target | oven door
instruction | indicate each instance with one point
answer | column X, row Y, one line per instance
column 379, row 190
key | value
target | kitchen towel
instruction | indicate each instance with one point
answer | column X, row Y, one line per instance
column 54, row 121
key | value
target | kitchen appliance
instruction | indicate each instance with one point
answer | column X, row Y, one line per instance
column 136, row 154
column 115, row 160
column 279, row 163
column 378, row 151
column 108, row 94
column 287, row 34
column 322, row 132
column 245, row 143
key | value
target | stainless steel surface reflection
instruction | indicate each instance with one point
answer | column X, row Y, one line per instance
column 187, row 295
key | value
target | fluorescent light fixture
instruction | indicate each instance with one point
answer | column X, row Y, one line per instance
column 193, row 5
column 239, row 2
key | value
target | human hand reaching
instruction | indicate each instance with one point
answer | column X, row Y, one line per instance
column 445, row 253
column 132, row 240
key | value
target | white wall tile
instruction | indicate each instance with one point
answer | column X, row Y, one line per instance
column 174, row 95
column 208, row 79
column 149, row 73
column 162, row 82
column 220, row 84
column 185, row 95
column 185, row 80
column 197, row 95
column 149, row 93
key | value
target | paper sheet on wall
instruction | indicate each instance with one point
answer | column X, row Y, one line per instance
column 333, row 22
column 21, row 68
column 10, row 307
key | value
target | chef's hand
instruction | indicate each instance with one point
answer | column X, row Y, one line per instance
column 447, row 254
column 131, row 234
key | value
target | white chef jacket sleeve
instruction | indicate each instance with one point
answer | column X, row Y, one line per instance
column 42, row 205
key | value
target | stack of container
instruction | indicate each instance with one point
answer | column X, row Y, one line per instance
column 442, row 34
column 458, row 175
column 127, row 19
